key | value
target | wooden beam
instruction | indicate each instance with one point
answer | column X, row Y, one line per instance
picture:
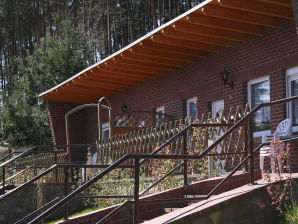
column 146, row 64
column 82, row 91
column 87, row 91
column 285, row 3
column 139, row 50
column 225, row 24
column 168, row 41
column 207, row 31
column 178, row 49
column 114, row 72
column 77, row 99
column 98, row 84
column 114, row 64
column 240, row 16
column 92, row 87
column 160, row 61
column 105, row 71
column 117, row 80
column 195, row 38
column 257, row 7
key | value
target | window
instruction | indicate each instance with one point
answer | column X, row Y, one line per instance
column 292, row 90
column 191, row 107
column 160, row 117
column 259, row 92
column 160, row 109
column 217, row 107
column 105, row 130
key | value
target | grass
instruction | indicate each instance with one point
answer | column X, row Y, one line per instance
column 82, row 212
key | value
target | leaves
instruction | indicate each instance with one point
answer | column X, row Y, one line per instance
column 24, row 115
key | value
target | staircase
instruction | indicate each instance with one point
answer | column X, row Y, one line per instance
column 170, row 201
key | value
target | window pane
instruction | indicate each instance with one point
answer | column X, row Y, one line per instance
column 294, row 92
column 105, row 134
column 260, row 93
column 192, row 106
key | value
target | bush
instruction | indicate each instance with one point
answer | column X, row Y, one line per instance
column 291, row 215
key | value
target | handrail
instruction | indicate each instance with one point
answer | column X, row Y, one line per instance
column 18, row 173
column 53, row 167
column 10, row 154
column 76, row 192
column 99, row 116
column 45, row 146
column 36, row 211
column 73, row 194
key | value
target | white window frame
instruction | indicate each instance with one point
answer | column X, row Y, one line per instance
column 188, row 101
column 105, row 127
column 291, row 75
column 213, row 112
column 249, row 83
column 160, row 109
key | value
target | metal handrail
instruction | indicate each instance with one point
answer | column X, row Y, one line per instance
column 9, row 155
column 36, row 211
column 246, row 118
column 44, row 146
column 74, row 194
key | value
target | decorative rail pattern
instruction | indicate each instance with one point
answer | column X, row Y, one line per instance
column 32, row 161
column 139, row 160
column 140, row 119
column 144, row 141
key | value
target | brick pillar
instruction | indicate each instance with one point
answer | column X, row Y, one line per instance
column 295, row 12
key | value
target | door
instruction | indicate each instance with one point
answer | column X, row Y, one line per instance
column 217, row 106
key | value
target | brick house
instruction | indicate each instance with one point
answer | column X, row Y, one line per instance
column 178, row 68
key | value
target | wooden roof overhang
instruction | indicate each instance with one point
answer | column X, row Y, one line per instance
column 191, row 36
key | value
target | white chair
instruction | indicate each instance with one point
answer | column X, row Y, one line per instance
column 284, row 128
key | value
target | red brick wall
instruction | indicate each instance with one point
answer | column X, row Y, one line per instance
column 295, row 12
column 270, row 54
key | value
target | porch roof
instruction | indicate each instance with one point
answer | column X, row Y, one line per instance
column 191, row 36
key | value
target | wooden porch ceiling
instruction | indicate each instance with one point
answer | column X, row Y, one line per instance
column 193, row 35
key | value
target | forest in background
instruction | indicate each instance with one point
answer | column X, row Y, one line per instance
column 43, row 42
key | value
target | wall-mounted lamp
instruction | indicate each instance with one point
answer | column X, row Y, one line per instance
column 124, row 108
column 225, row 75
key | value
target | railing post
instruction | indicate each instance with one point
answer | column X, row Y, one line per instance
column 246, row 141
column 185, row 161
column 3, row 179
column 251, row 145
column 56, row 170
column 136, row 192
column 65, row 192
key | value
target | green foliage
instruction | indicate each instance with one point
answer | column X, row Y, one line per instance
column 24, row 117
column 291, row 215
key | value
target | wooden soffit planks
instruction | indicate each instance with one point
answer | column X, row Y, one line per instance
column 192, row 36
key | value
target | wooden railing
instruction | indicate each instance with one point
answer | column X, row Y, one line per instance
column 144, row 141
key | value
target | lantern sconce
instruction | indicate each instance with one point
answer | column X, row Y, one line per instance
column 227, row 79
